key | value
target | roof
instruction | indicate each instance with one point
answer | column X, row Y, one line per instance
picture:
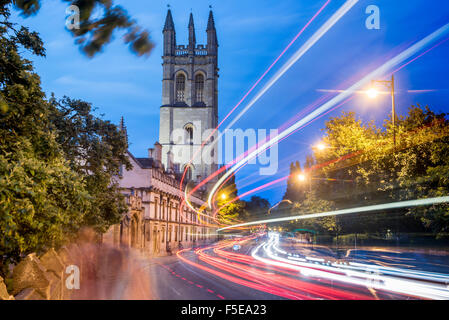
column 145, row 163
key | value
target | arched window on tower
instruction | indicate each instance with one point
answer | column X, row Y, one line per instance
column 180, row 87
column 189, row 173
column 189, row 134
column 199, row 88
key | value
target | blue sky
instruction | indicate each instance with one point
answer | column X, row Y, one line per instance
column 251, row 35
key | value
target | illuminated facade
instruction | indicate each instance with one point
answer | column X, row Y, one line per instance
column 154, row 221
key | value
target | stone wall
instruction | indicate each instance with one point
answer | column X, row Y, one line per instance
column 38, row 278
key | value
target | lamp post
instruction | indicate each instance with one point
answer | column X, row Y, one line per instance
column 303, row 178
column 372, row 93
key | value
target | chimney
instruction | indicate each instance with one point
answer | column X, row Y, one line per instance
column 150, row 153
column 170, row 166
column 157, row 153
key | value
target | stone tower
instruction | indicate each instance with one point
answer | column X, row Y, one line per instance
column 189, row 110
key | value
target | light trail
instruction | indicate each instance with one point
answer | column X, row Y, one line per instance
column 246, row 271
column 255, row 84
column 374, row 74
column 399, row 280
column 318, row 166
column 337, row 160
column 301, row 51
column 377, row 207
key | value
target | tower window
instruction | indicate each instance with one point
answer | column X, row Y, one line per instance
column 180, row 87
column 199, row 88
column 189, row 173
column 189, row 134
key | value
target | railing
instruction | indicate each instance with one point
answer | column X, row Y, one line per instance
column 182, row 50
column 200, row 52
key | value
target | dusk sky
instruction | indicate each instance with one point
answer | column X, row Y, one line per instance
column 251, row 37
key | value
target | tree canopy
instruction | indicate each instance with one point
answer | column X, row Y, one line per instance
column 98, row 21
column 57, row 160
column 361, row 166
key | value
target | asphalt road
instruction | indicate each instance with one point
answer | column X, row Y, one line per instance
column 218, row 272
column 172, row 279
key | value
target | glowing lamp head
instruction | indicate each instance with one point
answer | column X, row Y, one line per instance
column 301, row 177
column 321, row 146
column 223, row 196
column 372, row 93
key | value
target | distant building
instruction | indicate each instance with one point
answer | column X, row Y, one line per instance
column 152, row 188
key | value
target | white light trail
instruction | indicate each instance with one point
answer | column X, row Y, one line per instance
column 377, row 207
column 301, row 51
column 298, row 54
column 361, row 277
column 379, row 72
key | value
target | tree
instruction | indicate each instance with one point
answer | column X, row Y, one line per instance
column 96, row 150
column 363, row 167
column 257, row 208
column 295, row 191
column 95, row 32
column 42, row 200
column 312, row 204
column 57, row 161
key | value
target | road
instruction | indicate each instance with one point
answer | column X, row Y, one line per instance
column 266, row 268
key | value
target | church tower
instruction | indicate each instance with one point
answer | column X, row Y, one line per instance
column 189, row 110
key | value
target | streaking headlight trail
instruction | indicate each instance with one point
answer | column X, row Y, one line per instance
column 377, row 207
column 397, row 280
column 379, row 72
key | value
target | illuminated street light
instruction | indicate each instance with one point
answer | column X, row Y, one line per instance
column 372, row 93
column 223, row 196
column 301, row 177
column 321, row 146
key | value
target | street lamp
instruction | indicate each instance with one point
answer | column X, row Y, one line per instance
column 302, row 178
column 373, row 93
column 223, row 196
column 321, row 146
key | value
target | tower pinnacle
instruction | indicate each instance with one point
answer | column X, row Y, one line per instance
column 169, row 25
column 192, row 38
column 122, row 128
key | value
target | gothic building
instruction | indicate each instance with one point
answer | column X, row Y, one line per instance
column 189, row 111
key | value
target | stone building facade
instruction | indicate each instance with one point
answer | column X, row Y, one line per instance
column 189, row 108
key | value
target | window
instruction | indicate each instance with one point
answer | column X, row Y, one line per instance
column 189, row 134
column 189, row 173
column 180, row 87
column 199, row 88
